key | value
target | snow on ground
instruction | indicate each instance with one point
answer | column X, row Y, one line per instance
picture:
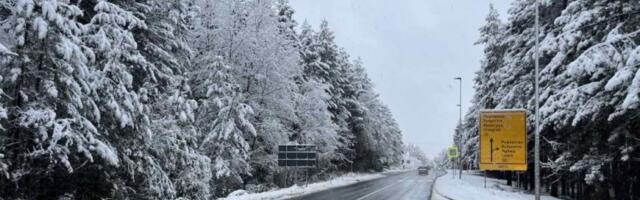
column 471, row 187
column 297, row 190
column 398, row 170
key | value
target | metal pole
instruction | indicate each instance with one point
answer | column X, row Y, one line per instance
column 485, row 179
column 459, row 125
column 460, row 122
column 537, row 101
column 518, row 185
column 352, row 168
column 453, row 168
column 306, row 178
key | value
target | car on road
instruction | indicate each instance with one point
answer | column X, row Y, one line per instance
column 423, row 170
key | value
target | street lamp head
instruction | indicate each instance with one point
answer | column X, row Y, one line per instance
column 457, row 78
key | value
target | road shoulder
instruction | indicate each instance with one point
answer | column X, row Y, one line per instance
column 433, row 192
column 297, row 190
column 471, row 187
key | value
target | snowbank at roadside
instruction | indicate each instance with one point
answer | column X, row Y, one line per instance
column 471, row 187
column 297, row 190
column 398, row 170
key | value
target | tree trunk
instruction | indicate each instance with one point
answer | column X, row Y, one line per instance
column 563, row 187
column 554, row 189
column 531, row 180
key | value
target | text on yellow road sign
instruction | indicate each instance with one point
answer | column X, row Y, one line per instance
column 503, row 140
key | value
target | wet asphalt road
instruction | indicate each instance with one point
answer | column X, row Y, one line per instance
column 398, row 186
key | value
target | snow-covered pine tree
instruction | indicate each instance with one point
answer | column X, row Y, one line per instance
column 314, row 124
column 100, row 99
column 224, row 122
column 51, row 104
column 286, row 23
column 314, row 121
column 124, row 117
column 4, row 163
column 215, row 88
column 309, row 56
column 588, row 62
column 252, row 38
column 180, row 170
column 5, row 58
column 382, row 135
column 153, row 54
column 324, row 63
column 592, row 49
column 188, row 169
column 354, row 83
column 492, row 39
column 265, row 64
column 370, row 122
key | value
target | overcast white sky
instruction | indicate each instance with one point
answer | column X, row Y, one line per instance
column 411, row 49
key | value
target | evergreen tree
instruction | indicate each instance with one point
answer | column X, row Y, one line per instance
column 224, row 122
column 314, row 124
column 492, row 36
column 588, row 65
column 51, row 110
column 328, row 68
column 129, row 100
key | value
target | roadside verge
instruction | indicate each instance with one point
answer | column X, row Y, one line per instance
column 433, row 190
column 301, row 190
column 471, row 187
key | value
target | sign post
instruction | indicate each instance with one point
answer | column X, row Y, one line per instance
column 503, row 140
column 452, row 154
column 297, row 156
column 536, row 155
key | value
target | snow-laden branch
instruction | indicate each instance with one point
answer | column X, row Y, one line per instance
column 5, row 51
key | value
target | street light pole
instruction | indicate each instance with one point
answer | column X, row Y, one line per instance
column 537, row 107
column 459, row 124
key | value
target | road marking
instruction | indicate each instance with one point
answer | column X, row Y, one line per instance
column 365, row 196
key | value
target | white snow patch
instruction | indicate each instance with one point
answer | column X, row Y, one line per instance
column 40, row 27
column 60, row 130
column 5, row 50
column 238, row 193
column 24, row 7
column 471, row 187
column 36, row 117
column 106, row 152
column 49, row 9
column 295, row 191
column 631, row 100
column 50, row 87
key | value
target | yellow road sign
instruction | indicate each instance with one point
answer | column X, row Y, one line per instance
column 452, row 152
column 503, row 140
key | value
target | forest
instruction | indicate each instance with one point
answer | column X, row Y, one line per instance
column 589, row 93
column 188, row 99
